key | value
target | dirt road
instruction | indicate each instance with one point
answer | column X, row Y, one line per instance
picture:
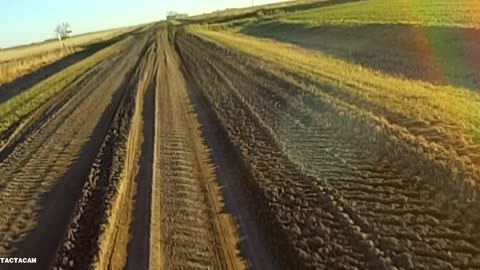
column 177, row 218
column 178, row 154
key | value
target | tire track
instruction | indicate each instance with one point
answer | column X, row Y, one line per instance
column 258, row 250
column 192, row 232
column 397, row 201
column 407, row 222
column 40, row 171
column 283, row 186
column 99, row 230
column 11, row 139
column 378, row 201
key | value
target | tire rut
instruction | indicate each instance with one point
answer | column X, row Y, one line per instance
column 193, row 232
column 99, row 229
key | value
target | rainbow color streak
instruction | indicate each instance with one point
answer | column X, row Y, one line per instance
column 454, row 51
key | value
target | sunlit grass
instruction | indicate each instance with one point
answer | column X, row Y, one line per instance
column 459, row 13
column 276, row 8
column 11, row 70
column 456, row 110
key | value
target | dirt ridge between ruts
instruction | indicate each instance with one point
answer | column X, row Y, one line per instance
column 87, row 242
column 114, row 240
column 137, row 252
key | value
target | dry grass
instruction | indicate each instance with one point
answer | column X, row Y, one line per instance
column 11, row 70
column 19, row 61
column 15, row 109
column 34, row 50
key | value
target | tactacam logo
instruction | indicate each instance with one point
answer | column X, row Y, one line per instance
column 18, row 260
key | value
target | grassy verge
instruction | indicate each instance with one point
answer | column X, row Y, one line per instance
column 15, row 109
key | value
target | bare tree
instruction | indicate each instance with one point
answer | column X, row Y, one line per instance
column 171, row 15
column 62, row 30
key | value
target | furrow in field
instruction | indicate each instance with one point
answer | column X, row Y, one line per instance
column 391, row 205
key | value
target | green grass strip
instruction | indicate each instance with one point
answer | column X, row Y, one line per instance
column 15, row 109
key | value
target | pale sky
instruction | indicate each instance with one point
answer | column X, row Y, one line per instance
column 27, row 21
